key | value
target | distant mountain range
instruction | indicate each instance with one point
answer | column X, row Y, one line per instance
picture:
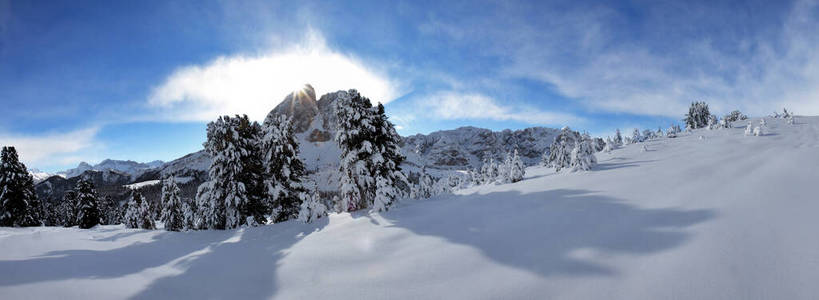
column 314, row 122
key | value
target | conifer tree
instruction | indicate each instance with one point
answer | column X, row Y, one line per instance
column 369, row 150
column 145, row 217
column 560, row 152
column 68, row 209
column 284, row 169
column 517, row 169
column 18, row 202
column 172, row 213
column 189, row 214
column 582, row 155
column 235, row 188
column 698, row 115
column 618, row 139
column 312, row 208
column 132, row 215
column 88, row 213
column 424, row 184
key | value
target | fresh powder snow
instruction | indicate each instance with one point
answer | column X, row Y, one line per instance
column 728, row 216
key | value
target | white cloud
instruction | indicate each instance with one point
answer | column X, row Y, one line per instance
column 253, row 85
column 451, row 105
column 39, row 151
column 581, row 53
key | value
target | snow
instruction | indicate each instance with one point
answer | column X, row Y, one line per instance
column 725, row 217
column 141, row 184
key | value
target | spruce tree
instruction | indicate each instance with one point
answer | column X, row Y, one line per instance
column 189, row 214
column 18, row 202
column 88, row 212
column 145, row 217
column 284, row 170
column 172, row 214
column 311, row 208
column 698, row 116
column 132, row 215
column 369, row 151
column 68, row 209
column 618, row 138
column 582, row 155
column 560, row 152
column 235, row 189
column 516, row 169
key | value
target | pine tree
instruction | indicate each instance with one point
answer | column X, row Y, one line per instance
column 172, row 213
column 189, row 214
column 312, row 208
column 284, row 169
column 68, row 209
column 145, row 217
column 516, row 168
column 424, row 184
column 88, row 213
column 582, row 155
column 735, row 116
column 618, row 139
column 609, row 145
column 369, row 151
column 698, row 115
column 560, row 152
column 749, row 129
column 18, row 202
column 235, row 188
column 636, row 137
column 132, row 215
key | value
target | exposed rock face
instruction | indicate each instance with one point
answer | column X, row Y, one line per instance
column 301, row 106
column 468, row 146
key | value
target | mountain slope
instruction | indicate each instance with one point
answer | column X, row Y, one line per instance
column 724, row 216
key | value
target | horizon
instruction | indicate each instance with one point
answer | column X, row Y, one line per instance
column 88, row 81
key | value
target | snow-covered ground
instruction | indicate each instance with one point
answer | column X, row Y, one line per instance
column 725, row 216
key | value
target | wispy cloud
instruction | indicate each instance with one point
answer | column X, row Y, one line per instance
column 452, row 105
column 679, row 54
column 253, row 85
column 53, row 149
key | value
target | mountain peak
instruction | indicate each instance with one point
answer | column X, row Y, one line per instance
column 300, row 105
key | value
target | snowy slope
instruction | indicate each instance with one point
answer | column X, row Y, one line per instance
column 125, row 166
column 725, row 216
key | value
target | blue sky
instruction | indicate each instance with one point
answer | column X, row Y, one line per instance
column 85, row 81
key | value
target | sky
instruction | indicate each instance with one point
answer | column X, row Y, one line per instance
column 139, row 80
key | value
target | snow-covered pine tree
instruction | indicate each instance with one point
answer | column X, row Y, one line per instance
column 560, row 152
column 145, row 216
column 618, row 138
column 88, row 213
column 659, row 132
column 311, row 208
column 235, row 188
column 189, row 214
column 749, row 130
column 284, row 170
column 609, row 145
column 68, row 209
column 386, row 161
column 713, row 123
column 369, row 150
column 759, row 131
column 735, row 116
column 505, row 169
column 786, row 114
column 582, row 155
column 355, row 127
column 18, row 202
column 424, row 184
column 636, row 137
column 132, row 215
column 698, row 115
column 172, row 214
column 516, row 168
column 205, row 214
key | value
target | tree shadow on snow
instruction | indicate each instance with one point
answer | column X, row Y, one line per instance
column 540, row 232
column 611, row 166
column 229, row 264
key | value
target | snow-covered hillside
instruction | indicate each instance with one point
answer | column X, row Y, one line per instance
column 707, row 215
